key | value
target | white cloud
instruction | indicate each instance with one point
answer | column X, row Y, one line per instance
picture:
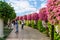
column 42, row 0
column 43, row 5
column 35, row 3
column 27, row 9
column 21, row 6
column 32, row 0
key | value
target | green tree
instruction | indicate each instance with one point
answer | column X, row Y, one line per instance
column 6, row 11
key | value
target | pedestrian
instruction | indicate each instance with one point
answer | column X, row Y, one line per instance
column 22, row 24
column 13, row 22
column 12, row 25
column 16, row 24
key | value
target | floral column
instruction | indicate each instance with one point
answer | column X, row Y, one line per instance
column 53, row 7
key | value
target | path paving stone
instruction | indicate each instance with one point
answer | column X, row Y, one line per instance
column 27, row 34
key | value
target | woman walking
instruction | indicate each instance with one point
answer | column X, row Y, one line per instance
column 22, row 24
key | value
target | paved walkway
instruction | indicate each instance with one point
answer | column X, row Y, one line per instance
column 27, row 34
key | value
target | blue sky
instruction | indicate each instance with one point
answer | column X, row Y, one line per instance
column 24, row 7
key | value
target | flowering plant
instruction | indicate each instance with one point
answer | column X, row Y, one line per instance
column 53, row 7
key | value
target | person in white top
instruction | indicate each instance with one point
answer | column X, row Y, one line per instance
column 22, row 24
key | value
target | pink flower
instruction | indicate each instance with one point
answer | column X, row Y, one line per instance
column 25, row 17
column 35, row 16
column 54, row 11
column 21, row 17
column 58, row 18
column 43, row 14
column 29, row 17
column 17, row 18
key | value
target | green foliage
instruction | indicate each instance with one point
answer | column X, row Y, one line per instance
column 40, row 27
column 6, row 11
column 56, row 36
column 2, row 39
column 27, row 23
column 6, row 32
column 49, row 26
column 32, row 24
column 37, row 26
